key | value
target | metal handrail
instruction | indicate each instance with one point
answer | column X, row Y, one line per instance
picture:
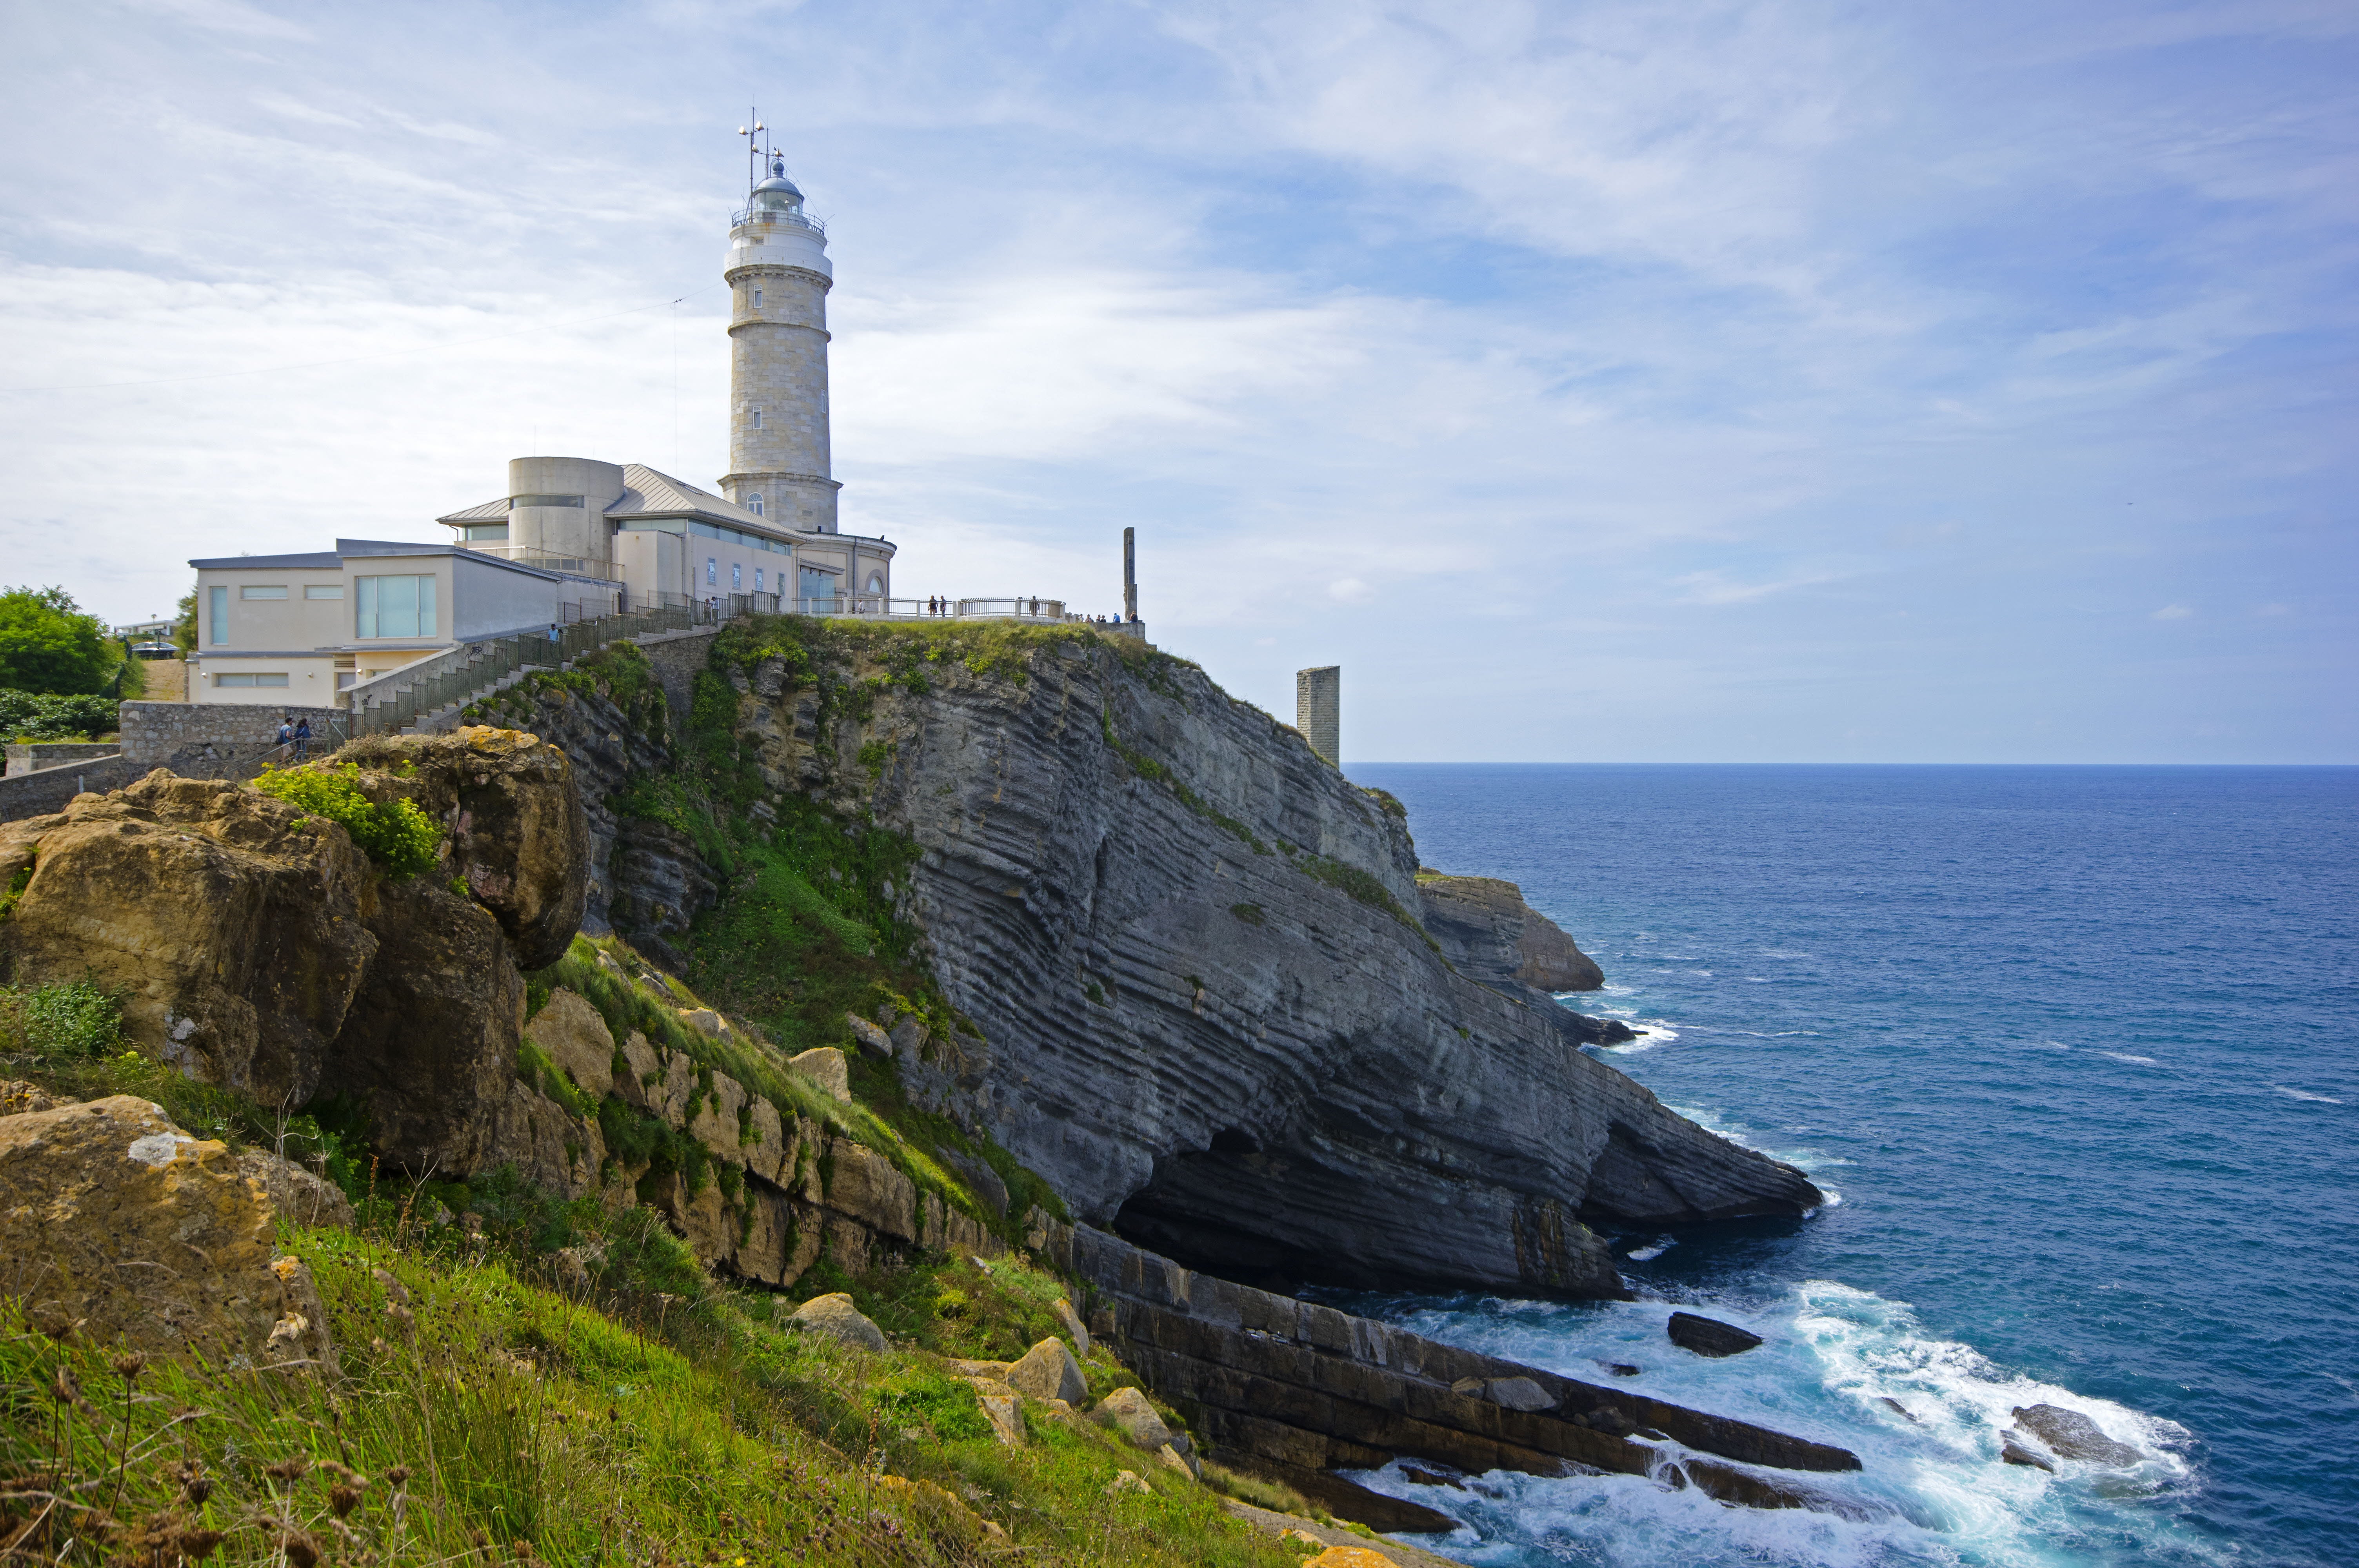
column 796, row 218
column 486, row 664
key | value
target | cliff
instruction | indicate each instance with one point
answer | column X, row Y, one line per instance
column 1208, row 1012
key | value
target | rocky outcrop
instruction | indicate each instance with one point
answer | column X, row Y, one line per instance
column 119, row 1228
column 235, row 928
column 255, row 948
column 1214, row 1021
column 2071, row 1435
column 1486, row 932
column 1297, row 1391
column 1491, row 934
column 1709, row 1335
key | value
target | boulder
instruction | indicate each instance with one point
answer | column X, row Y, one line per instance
column 116, row 1221
column 1170, row 1457
column 1004, row 1408
column 1128, row 1411
column 1048, row 1372
column 1519, row 1394
column 18, row 1095
column 835, row 1316
column 1070, row 1322
column 871, row 1039
column 2071, row 1435
column 2013, row 1452
column 826, row 1067
column 518, row 830
column 573, row 1034
column 705, row 1022
column 297, row 1194
column 232, row 925
column 1709, row 1337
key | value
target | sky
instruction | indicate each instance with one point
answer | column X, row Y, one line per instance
column 1962, row 381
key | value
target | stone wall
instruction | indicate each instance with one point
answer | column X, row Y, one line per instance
column 217, row 740
column 1318, row 710
column 33, row 756
column 36, row 794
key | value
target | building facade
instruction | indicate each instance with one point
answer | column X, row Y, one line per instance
column 279, row 630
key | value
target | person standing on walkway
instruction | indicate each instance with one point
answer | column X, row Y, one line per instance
column 303, row 738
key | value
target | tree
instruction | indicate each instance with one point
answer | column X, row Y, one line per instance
column 184, row 623
column 46, row 643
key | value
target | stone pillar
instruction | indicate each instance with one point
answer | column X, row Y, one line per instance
column 1318, row 710
column 1130, row 574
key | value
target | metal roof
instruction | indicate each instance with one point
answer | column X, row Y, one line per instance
column 495, row 511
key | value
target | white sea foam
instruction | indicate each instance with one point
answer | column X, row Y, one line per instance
column 1933, row 1490
column 2305, row 1094
column 2126, row 1057
column 1653, row 1249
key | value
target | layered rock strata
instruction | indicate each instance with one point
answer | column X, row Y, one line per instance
column 1298, row 1390
column 1486, row 932
column 796, row 1189
column 1215, row 1022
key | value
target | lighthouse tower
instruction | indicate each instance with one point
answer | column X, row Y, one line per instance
column 779, row 276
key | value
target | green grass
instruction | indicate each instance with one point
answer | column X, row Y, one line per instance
column 508, row 1420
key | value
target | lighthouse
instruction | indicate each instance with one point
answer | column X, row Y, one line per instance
column 778, row 275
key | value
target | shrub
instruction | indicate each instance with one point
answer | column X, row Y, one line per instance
column 395, row 834
column 42, row 716
column 78, row 1020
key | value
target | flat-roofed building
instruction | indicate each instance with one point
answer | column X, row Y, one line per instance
column 299, row 630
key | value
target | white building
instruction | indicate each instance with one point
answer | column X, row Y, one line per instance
column 299, row 630
column 577, row 537
column 770, row 536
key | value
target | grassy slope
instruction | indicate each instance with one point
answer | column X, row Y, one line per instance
column 661, row 1428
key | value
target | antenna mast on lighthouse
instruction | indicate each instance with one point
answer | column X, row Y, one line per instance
column 757, row 148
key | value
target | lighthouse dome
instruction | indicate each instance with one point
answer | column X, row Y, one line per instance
column 778, row 193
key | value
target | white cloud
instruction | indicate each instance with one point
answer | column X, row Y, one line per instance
column 2172, row 613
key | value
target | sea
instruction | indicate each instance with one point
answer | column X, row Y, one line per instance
column 2073, row 1053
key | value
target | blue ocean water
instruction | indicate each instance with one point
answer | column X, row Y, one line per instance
column 2075, row 1053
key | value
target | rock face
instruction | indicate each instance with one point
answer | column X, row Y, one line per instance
column 1490, row 933
column 113, row 1218
column 1214, row 1022
column 1294, row 1389
column 1709, row 1336
column 256, row 948
column 235, row 929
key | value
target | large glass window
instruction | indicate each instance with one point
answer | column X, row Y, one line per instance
column 813, row 583
column 217, row 616
column 393, row 607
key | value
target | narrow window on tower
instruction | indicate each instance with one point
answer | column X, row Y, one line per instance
column 757, row 418
column 753, row 506
column 757, row 299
